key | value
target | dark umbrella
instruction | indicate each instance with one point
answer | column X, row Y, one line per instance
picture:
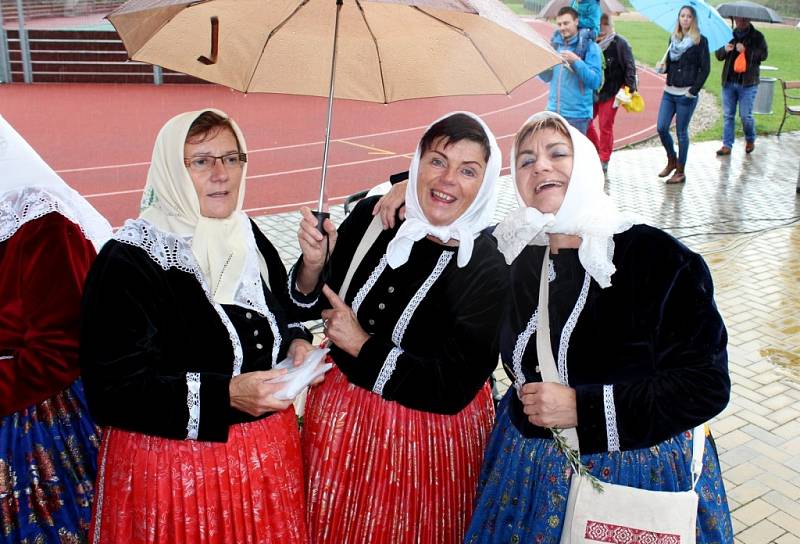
column 749, row 10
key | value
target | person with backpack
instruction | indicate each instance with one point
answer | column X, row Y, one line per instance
column 572, row 84
column 619, row 71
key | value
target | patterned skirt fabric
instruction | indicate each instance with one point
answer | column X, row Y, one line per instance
column 522, row 495
column 247, row 490
column 48, row 455
column 381, row 473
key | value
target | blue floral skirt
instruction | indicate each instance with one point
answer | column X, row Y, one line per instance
column 524, row 483
column 48, row 463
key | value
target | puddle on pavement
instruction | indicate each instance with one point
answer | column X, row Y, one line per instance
column 786, row 361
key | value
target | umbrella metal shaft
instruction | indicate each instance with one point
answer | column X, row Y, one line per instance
column 330, row 110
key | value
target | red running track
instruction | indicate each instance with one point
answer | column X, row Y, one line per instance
column 99, row 137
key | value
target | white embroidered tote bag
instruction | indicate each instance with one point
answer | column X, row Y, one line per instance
column 619, row 514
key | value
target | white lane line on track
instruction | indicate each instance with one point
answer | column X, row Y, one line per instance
column 306, row 144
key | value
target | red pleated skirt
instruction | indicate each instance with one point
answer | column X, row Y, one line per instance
column 377, row 472
column 247, row 490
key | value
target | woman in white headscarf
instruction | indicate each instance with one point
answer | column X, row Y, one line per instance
column 394, row 437
column 49, row 237
column 184, row 318
column 639, row 350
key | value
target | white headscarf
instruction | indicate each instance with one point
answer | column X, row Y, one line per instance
column 587, row 211
column 466, row 227
column 224, row 248
column 30, row 189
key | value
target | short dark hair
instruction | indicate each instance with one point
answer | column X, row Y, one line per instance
column 454, row 129
column 567, row 9
column 207, row 125
column 605, row 17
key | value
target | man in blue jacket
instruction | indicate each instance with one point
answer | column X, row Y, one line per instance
column 572, row 85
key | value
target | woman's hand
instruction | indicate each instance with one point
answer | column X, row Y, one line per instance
column 549, row 404
column 298, row 350
column 315, row 249
column 389, row 203
column 253, row 393
column 341, row 324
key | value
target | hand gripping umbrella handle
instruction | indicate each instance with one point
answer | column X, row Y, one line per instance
column 321, row 217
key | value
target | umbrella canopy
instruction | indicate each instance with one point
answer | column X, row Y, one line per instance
column 388, row 50
column 749, row 10
column 664, row 13
column 550, row 10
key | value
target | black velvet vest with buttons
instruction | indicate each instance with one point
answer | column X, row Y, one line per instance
column 143, row 328
column 450, row 343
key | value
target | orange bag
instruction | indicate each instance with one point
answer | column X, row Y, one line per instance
column 740, row 64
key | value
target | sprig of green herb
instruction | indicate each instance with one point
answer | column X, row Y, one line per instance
column 574, row 459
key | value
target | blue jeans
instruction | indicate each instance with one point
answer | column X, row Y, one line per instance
column 745, row 96
column 681, row 107
column 581, row 124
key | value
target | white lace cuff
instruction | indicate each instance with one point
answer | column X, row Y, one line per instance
column 387, row 370
column 291, row 286
column 611, row 418
column 193, row 403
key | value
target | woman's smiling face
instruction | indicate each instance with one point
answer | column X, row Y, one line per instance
column 543, row 169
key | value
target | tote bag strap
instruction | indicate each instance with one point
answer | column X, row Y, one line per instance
column 373, row 231
column 698, row 448
column 544, row 350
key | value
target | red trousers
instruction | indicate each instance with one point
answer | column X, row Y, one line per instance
column 605, row 113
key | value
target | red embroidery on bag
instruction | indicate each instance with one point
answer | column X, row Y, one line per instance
column 617, row 534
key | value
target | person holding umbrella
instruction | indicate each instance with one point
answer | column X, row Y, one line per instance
column 393, row 439
column 687, row 64
column 184, row 318
column 740, row 77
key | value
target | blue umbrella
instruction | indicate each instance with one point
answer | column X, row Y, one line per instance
column 664, row 13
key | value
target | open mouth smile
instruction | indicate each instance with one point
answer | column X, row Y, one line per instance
column 549, row 184
column 442, row 197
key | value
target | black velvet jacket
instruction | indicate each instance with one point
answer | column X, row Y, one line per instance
column 450, row 345
column 620, row 69
column 144, row 328
column 755, row 51
column 691, row 69
column 654, row 334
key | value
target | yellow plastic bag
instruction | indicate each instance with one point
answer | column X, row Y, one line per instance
column 636, row 103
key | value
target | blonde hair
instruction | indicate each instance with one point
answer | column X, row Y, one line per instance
column 537, row 125
column 694, row 30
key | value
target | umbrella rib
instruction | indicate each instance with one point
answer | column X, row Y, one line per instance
column 468, row 37
column 269, row 37
column 377, row 50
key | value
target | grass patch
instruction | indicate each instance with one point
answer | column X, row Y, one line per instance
column 649, row 43
column 518, row 8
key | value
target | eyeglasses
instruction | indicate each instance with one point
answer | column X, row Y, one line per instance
column 205, row 163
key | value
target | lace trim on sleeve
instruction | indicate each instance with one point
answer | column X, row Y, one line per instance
column 295, row 326
column 193, row 403
column 611, row 418
column 290, row 289
column 386, row 370
column 370, row 283
column 569, row 326
column 171, row 251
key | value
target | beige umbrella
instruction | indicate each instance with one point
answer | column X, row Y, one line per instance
column 375, row 50
column 550, row 10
